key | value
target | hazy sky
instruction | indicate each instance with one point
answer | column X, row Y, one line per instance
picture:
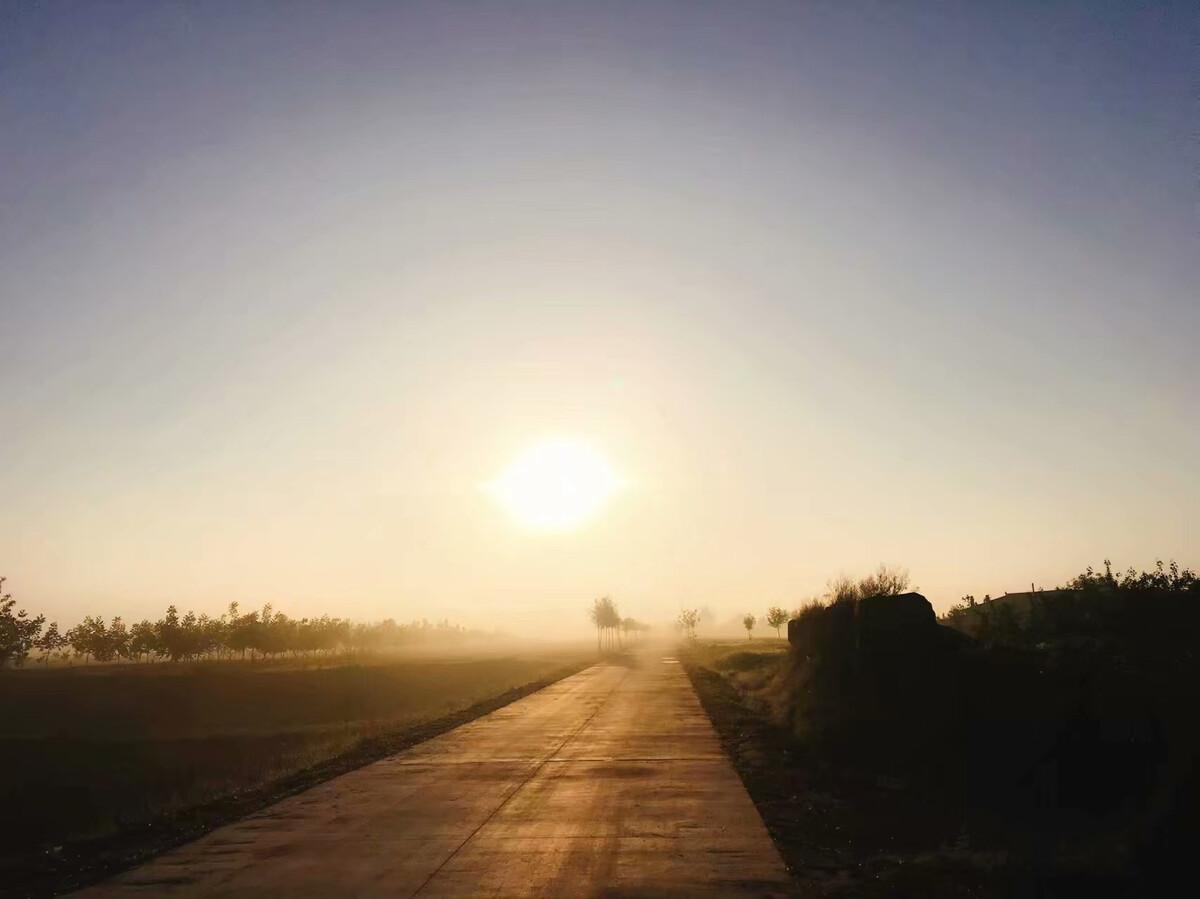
column 829, row 284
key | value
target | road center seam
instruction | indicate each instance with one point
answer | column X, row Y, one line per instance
column 532, row 774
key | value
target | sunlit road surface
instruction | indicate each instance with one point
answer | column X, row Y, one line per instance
column 609, row 783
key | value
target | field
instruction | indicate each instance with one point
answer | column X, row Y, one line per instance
column 116, row 760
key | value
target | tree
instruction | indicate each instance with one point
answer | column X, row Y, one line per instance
column 607, row 619
column 50, row 642
column 596, row 613
column 18, row 632
column 612, row 621
column 92, row 639
column 748, row 622
column 777, row 618
column 687, row 621
column 171, row 641
column 83, row 637
column 116, row 640
column 241, row 632
column 143, row 641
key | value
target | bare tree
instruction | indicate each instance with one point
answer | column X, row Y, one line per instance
column 612, row 621
column 607, row 619
column 596, row 613
column 687, row 621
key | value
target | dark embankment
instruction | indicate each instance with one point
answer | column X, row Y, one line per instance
column 892, row 755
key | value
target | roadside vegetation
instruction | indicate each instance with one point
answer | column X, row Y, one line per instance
column 748, row 622
column 1134, row 611
column 1048, row 750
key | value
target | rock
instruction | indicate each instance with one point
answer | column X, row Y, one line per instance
column 890, row 625
column 877, row 624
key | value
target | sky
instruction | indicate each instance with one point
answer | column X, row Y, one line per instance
column 284, row 287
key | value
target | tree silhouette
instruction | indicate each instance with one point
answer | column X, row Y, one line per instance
column 116, row 640
column 171, row 640
column 777, row 618
column 608, row 620
column 18, row 632
column 50, row 642
column 748, row 622
column 142, row 640
column 192, row 636
column 596, row 613
column 687, row 621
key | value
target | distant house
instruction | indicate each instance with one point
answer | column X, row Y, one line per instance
column 1022, row 602
column 1007, row 611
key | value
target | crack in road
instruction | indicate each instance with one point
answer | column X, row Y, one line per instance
column 534, row 773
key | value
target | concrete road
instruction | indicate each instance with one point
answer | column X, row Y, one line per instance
column 608, row 783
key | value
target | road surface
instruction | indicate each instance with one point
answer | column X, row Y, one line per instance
column 608, row 783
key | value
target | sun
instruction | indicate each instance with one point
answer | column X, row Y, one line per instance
column 557, row 484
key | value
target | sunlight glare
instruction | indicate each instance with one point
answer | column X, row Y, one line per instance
column 555, row 485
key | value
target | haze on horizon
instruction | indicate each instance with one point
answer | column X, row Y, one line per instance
column 287, row 290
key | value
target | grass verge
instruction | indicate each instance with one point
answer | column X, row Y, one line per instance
column 841, row 832
column 881, row 806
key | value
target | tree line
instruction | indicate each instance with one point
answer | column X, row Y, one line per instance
column 613, row 631
column 260, row 633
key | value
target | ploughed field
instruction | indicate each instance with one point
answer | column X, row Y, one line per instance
column 104, row 754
